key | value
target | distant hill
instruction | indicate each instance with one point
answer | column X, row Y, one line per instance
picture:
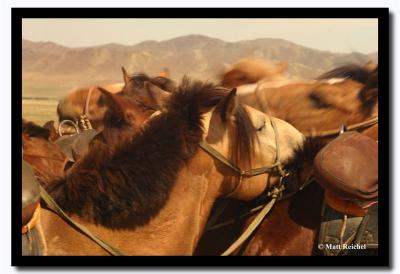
column 50, row 69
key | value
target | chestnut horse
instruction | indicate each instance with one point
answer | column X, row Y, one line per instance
column 250, row 70
column 151, row 193
column 84, row 100
column 45, row 157
column 346, row 95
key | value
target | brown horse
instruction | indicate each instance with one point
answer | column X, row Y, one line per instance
column 151, row 193
column 45, row 157
column 249, row 71
column 48, row 159
column 84, row 100
column 346, row 95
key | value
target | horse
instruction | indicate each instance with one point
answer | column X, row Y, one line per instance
column 346, row 95
column 152, row 192
column 45, row 157
column 82, row 101
column 250, row 70
column 299, row 218
column 47, row 131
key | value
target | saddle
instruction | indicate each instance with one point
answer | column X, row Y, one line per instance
column 76, row 145
column 32, row 243
column 347, row 168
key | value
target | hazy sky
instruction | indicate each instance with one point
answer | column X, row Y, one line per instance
column 338, row 35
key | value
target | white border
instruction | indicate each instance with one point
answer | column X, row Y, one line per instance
column 5, row 104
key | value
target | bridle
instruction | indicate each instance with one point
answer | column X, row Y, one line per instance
column 276, row 167
column 274, row 192
column 83, row 122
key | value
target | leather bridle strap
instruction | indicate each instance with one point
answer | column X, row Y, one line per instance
column 335, row 132
column 277, row 166
column 80, row 228
column 248, row 173
column 87, row 102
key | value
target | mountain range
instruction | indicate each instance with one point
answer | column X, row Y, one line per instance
column 49, row 69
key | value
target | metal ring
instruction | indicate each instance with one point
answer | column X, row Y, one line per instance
column 67, row 121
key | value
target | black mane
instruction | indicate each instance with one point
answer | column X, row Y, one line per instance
column 34, row 130
column 354, row 72
column 137, row 80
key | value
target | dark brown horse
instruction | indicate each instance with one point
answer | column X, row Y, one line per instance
column 84, row 100
column 152, row 190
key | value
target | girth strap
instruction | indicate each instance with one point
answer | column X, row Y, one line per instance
column 80, row 228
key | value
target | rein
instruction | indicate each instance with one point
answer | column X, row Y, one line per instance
column 80, row 228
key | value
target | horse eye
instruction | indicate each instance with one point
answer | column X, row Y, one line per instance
column 261, row 128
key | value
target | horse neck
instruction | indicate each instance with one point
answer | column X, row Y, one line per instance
column 174, row 231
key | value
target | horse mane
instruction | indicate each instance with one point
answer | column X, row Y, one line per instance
column 354, row 72
column 368, row 95
column 34, row 130
column 127, row 186
column 302, row 156
column 137, row 81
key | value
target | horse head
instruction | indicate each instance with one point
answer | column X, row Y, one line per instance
column 86, row 100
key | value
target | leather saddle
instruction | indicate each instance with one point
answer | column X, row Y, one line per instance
column 76, row 145
column 347, row 168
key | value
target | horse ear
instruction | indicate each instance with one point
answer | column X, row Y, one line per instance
column 369, row 95
column 53, row 132
column 228, row 105
column 154, row 97
column 125, row 75
column 115, row 109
